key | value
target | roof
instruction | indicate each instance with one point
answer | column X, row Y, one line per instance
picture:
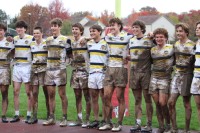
column 148, row 20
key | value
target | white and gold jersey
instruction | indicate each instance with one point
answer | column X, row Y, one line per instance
column 140, row 53
column 39, row 56
column 197, row 60
column 184, row 54
column 22, row 49
column 98, row 52
column 163, row 60
column 118, row 48
column 80, row 55
column 57, row 51
column 5, row 53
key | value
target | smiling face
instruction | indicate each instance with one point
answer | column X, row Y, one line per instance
column 95, row 34
column 37, row 34
column 137, row 31
column 198, row 30
column 55, row 29
column 2, row 33
column 76, row 32
column 180, row 33
column 160, row 39
column 20, row 31
column 115, row 28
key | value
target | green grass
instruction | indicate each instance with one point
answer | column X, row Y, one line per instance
column 72, row 108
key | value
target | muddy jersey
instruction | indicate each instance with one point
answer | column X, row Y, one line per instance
column 140, row 53
column 184, row 55
column 163, row 60
column 98, row 52
column 197, row 60
column 57, row 50
column 5, row 53
column 118, row 48
column 80, row 55
column 22, row 49
column 39, row 56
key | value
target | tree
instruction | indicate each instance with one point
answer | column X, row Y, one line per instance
column 3, row 17
column 57, row 10
column 173, row 17
column 145, row 11
column 66, row 28
column 105, row 17
column 35, row 15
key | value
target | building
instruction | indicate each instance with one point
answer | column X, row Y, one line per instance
column 153, row 22
column 87, row 22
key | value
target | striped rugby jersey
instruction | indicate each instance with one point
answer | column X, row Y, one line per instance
column 80, row 55
column 197, row 60
column 118, row 48
column 184, row 54
column 163, row 60
column 140, row 53
column 57, row 51
column 39, row 56
column 22, row 49
column 98, row 52
column 5, row 53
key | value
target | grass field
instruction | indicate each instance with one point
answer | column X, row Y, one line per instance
column 72, row 108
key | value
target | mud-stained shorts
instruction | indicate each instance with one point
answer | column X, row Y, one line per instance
column 139, row 80
column 159, row 85
column 79, row 79
column 5, row 76
column 55, row 77
column 195, row 87
column 95, row 80
column 115, row 77
column 181, row 84
column 22, row 73
column 37, row 78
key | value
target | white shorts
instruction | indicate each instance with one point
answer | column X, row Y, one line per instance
column 21, row 73
column 195, row 87
column 95, row 80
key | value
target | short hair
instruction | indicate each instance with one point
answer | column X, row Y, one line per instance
column 78, row 25
column 197, row 23
column 97, row 27
column 184, row 26
column 21, row 24
column 162, row 31
column 56, row 21
column 118, row 21
column 2, row 26
column 141, row 24
column 38, row 28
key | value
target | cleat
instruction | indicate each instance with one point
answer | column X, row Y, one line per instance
column 135, row 128
column 33, row 120
column 93, row 124
column 160, row 130
column 76, row 123
column 27, row 119
column 117, row 128
column 15, row 119
column 101, row 123
column 167, row 129
column 63, row 122
column 50, row 121
column 85, row 124
column 106, row 126
column 4, row 119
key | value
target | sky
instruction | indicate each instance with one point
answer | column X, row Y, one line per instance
column 12, row 7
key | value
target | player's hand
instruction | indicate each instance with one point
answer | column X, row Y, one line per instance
column 9, row 39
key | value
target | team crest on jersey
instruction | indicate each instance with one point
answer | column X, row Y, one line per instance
column 7, row 43
column 44, row 47
column 166, row 52
column 26, row 42
column 32, row 48
column 110, row 38
column 15, row 41
column 121, row 38
column 146, row 43
column 136, row 52
column 60, row 42
column 103, row 47
column 186, row 49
